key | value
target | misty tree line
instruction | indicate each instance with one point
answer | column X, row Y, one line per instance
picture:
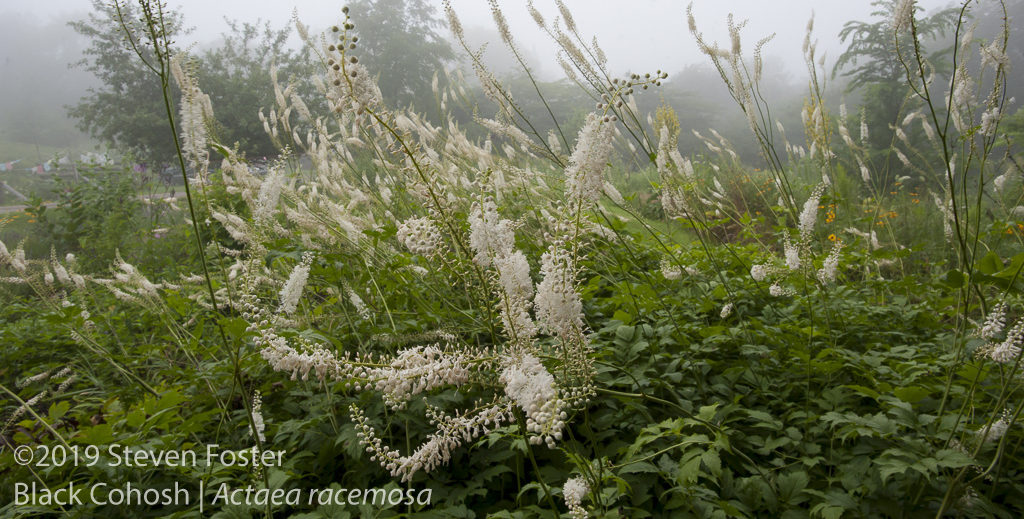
column 92, row 76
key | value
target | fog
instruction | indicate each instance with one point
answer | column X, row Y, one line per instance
column 638, row 36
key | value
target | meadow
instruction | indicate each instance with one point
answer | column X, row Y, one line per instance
column 531, row 318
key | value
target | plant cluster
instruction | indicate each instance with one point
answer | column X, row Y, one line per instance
column 494, row 318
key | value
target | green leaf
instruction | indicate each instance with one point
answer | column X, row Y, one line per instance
column 866, row 391
column 912, row 394
column 135, row 418
column 101, row 434
column 625, row 333
column 707, row 412
column 713, row 462
column 224, row 152
column 57, row 410
column 954, row 278
column 276, row 478
column 711, row 331
column 638, row 468
column 623, row 316
column 826, row 511
column 990, row 264
column 952, row 458
column 791, row 484
column 689, row 468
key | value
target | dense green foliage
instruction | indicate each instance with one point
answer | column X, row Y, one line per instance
column 809, row 336
column 140, row 128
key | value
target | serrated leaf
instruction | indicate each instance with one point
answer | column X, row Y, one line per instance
column 791, row 483
column 639, row 467
column 712, row 461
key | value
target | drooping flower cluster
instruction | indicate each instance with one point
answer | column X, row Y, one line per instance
column 584, row 176
column 419, row 235
column 452, row 431
column 415, row 370
column 514, row 275
column 270, row 192
column 676, row 174
column 872, row 237
column 726, row 310
column 258, row 426
column 574, row 490
column 1007, row 351
column 670, row 271
column 994, row 432
column 490, row 236
column 994, row 322
column 358, row 303
column 32, row 402
column 493, row 240
column 196, row 110
column 903, row 15
column 810, row 213
column 529, row 384
column 1003, row 351
column 291, row 292
column 797, row 253
column 131, row 285
column 760, row 271
column 792, row 253
column 829, row 269
column 517, row 288
column 558, row 304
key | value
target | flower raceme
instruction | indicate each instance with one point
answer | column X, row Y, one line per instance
column 559, row 308
column 529, row 384
column 291, row 292
column 584, row 176
column 809, row 214
column 574, row 490
column 829, row 270
column 489, row 235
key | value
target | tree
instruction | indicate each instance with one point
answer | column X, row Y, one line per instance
column 398, row 42
column 236, row 75
column 873, row 55
column 872, row 63
column 126, row 111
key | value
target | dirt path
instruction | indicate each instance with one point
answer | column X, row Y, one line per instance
column 4, row 209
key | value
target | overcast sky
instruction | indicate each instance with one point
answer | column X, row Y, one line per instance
column 637, row 35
